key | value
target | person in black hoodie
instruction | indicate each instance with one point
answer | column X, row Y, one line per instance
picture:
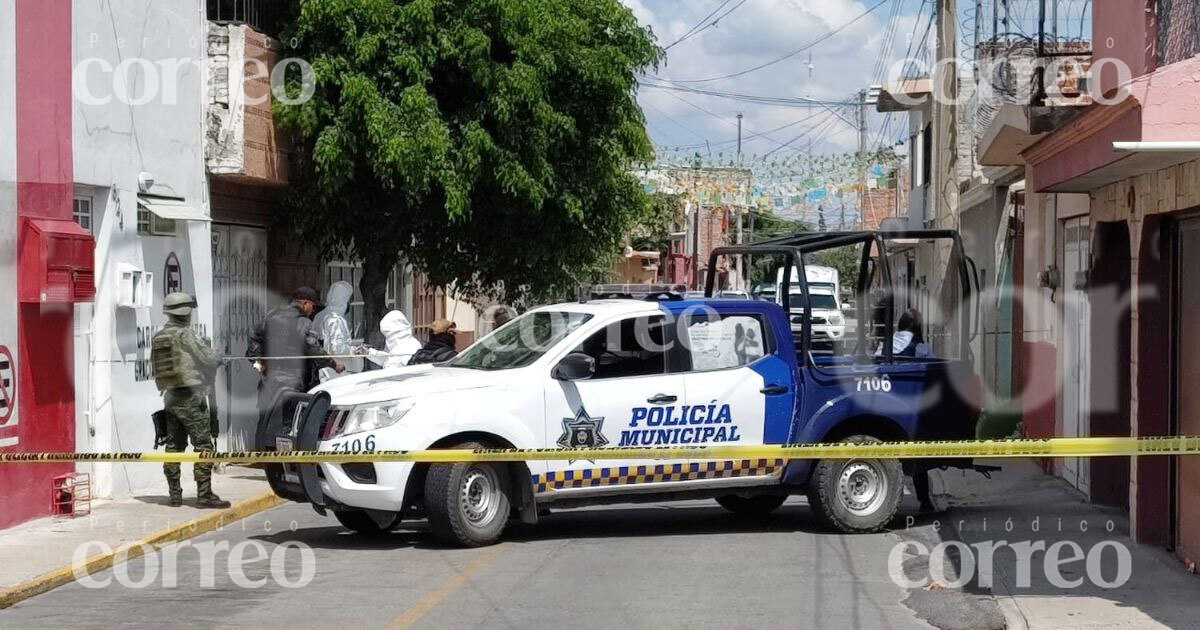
column 287, row 331
column 440, row 346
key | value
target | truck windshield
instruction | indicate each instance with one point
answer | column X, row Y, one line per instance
column 818, row 301
column 521, row 341
column 822, row 301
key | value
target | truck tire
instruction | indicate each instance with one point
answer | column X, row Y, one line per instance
column 757, row 505
column 468, row 503
column 360, row 522
column 857, row 496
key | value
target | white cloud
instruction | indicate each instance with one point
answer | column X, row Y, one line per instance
column 757, row 32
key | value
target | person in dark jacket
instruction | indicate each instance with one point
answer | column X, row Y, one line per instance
column 287, row 331
column 440, row 346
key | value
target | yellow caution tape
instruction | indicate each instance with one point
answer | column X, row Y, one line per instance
column 1052, row 447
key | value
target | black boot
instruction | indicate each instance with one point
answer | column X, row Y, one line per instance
column 211, row 500
column 175, row 494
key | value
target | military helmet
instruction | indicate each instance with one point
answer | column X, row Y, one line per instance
column 179, row 304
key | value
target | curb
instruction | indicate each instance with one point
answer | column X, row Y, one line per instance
column 137, row 548
column 1014, row 619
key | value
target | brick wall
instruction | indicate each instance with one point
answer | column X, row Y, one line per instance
column 878, row 204
column 243, row 142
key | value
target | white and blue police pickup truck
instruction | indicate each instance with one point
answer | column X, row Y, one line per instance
column 663, row 371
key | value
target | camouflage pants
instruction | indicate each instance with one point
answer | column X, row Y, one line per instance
column 188, row 419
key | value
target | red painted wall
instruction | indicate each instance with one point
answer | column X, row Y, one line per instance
column 1093, row 151
column 45, row 187
column 1124, row 30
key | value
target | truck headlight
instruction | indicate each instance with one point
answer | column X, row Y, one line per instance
column 836, row 320
column 372, row 417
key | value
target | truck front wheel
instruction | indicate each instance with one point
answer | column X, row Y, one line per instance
column 758, row 505
column 468, row 503
column 857, row 495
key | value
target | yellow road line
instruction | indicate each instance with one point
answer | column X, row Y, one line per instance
column 418, row 610
column 137, row 548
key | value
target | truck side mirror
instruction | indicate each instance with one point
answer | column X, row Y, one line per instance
column 574, row 367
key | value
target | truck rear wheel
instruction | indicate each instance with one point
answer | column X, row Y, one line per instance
column 856, row 496
column 757, row 505
column 361, row 522
column 468, row 503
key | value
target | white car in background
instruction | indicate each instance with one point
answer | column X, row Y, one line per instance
column 828, row 321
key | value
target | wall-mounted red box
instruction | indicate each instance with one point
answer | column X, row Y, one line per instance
column 57, row 262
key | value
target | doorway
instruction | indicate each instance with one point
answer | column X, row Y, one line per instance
column 1076, row 339
column 1187, row 352
column 240, row 301
column 1110, row 309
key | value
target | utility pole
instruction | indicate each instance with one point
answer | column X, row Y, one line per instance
column 978, row 32
column 695, row 223
column 862, row 156
column 739, row 149
column 995, row 21
column 1007, row 15
column 945, row 118
column 808, row 97
column 741, row 280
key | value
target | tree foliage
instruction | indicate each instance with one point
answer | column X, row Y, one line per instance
column 768, row 226
column 486, row 142
column 652, row 230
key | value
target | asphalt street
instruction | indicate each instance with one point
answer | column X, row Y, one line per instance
column 629, row 566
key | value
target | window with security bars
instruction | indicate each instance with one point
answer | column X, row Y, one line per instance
column 82, row 212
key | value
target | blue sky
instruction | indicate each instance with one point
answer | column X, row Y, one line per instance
column 758, row 31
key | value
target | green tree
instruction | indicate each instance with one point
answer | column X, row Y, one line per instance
column 487, row 142
column 652, row 230
column 767, row 226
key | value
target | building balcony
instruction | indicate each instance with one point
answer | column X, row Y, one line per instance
column 1024, row 92
column 243, row 143
column 1154, row 124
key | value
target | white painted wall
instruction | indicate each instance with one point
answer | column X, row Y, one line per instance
column 8, row 196
column 114, row 140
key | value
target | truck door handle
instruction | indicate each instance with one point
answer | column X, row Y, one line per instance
column 774, row 390
column 661, row 399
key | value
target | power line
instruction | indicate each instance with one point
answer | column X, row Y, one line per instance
column 779, row 101
column 829, row 120
column 756, row 135
column 713, row 23
column 693, row 31
column 672, row 119
column 784, row 57
column 726, row 120
column 912, row 38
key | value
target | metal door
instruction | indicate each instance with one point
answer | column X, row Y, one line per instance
column 240, row 300
column 1076, row 337
column 1187, row 471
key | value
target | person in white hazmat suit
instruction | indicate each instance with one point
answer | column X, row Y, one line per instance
column 332, row 328
column 401, row 344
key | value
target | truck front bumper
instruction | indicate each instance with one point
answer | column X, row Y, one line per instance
column 366, row 485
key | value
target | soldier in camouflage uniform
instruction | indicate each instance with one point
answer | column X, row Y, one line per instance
column 182, row 365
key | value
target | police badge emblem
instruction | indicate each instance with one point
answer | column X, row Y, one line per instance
column 582, row 431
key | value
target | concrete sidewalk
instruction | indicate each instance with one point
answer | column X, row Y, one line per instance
column 1021, row 503
column 31, row 551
